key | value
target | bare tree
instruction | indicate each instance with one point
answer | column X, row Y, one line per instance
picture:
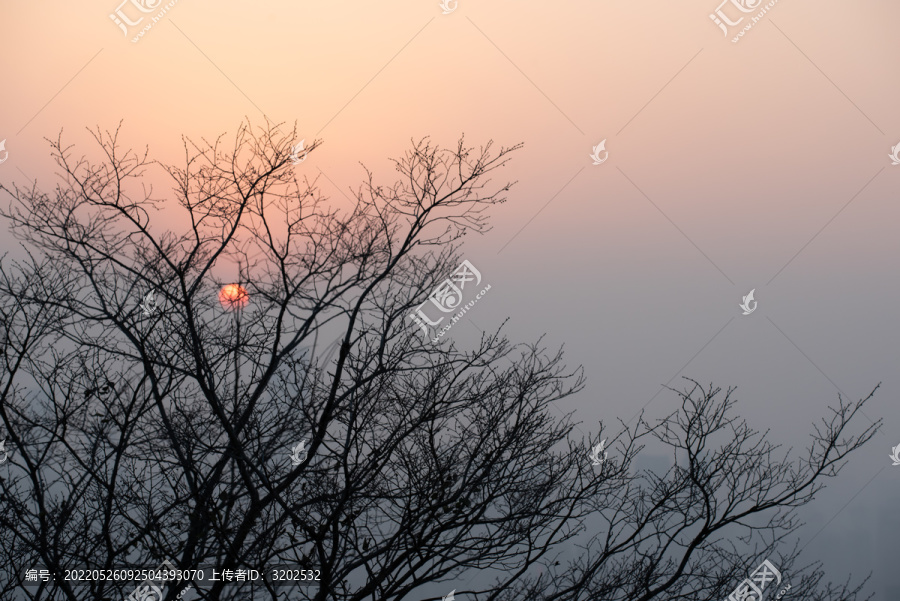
column 168, row 395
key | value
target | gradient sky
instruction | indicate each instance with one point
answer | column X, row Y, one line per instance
column 757, row 165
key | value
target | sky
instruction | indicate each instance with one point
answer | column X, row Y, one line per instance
column 761, row 164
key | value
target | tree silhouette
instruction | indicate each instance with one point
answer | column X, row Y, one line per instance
column 153, row 416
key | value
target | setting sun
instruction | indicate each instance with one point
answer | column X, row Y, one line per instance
column 233, row 296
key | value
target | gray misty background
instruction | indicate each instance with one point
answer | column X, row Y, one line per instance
column 761, row 164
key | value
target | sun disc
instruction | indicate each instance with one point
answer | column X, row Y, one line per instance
column 233, row 296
